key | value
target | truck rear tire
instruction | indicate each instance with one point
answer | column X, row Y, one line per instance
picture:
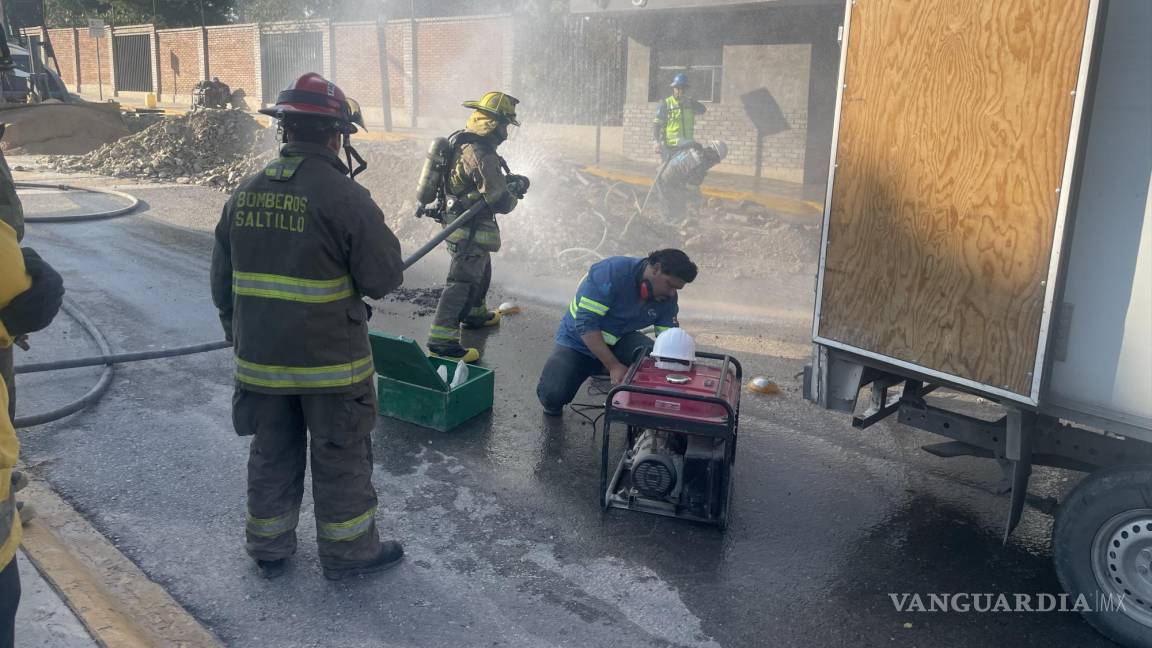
column 1102, row 546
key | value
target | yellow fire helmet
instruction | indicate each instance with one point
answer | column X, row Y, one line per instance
column 500, row 105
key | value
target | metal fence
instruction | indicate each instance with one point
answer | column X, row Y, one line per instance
column 284, row 56
column 132, row 56
column 574, row 69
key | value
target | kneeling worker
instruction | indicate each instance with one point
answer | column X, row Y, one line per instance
column 601, row 330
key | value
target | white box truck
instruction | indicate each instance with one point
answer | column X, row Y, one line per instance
column 988, row 230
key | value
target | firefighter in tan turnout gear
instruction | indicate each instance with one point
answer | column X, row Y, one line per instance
column 12, row 213
column 297, row 247
column 476, row 172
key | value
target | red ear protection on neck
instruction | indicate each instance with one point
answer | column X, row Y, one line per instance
column 646, row 290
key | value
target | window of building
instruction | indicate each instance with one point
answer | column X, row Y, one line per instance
column 702, row 65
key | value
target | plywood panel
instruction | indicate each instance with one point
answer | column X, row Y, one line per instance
column 953, row 134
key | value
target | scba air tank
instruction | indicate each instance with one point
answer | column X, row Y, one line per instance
column 432, row 175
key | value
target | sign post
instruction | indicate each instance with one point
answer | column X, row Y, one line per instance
column 96, row 31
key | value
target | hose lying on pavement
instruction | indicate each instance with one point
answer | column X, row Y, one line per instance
column 133, row 203
column 107, row 359
column 121, row 358
column 93, row 394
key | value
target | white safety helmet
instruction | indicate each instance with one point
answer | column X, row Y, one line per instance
column 674, row 350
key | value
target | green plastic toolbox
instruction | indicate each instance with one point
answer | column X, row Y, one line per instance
column 409, row 389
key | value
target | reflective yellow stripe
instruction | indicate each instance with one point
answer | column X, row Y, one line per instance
column 661, row 329
column 609, row 338
column 273, row 526
column 283, row 168
column 443, row 333
column 347, row 530
column 593, row 306
column 572, row 308
column 316, row 291
column 482, row 235
column 339, row 375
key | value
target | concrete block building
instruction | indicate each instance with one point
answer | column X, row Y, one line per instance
column 766, row 70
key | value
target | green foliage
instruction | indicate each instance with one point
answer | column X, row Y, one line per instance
column 168, row 13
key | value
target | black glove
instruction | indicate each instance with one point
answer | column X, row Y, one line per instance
column 368, row 308
column 517, row 185
column 35, row 308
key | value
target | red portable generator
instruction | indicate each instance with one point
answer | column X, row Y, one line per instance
column 681, row 439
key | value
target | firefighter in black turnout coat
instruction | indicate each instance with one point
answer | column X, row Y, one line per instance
column 297, row 247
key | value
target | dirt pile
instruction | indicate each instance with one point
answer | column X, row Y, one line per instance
column 55, row 128
column 209, row 147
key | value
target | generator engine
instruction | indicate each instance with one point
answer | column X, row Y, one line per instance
column 657, row 462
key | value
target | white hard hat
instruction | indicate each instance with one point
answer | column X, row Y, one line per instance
column 674, row 349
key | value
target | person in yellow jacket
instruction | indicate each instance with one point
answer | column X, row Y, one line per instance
column 13, row 281
column 477, row 173
column 674, row 127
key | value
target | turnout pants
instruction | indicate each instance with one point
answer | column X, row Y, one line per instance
column 337, row 430
column 567, row 369
column 469, row 277
column 9, row 601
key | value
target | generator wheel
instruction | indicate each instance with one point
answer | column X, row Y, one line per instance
column 1102, row 545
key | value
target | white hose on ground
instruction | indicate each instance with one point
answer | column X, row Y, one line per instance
column 133, row 203
column 594, row 251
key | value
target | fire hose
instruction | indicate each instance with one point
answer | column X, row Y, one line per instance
column 107, row 359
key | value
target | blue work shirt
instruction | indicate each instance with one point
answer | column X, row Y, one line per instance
column 608, row 301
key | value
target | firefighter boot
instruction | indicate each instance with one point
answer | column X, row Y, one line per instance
column 391, row 553
column 270, row 569
column 481, row 318
column 454, row 351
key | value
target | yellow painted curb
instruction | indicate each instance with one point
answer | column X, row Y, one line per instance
column 793, row 206
column 114, row 600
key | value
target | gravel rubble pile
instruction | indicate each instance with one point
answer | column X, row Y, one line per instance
column 209, row 147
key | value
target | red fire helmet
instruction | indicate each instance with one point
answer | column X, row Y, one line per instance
column 313, row 96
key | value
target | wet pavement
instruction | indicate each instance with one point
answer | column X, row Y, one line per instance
column 506, row 544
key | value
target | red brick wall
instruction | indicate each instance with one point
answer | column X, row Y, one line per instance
column 179, row 62
column 89, row 74
column 232, row 57
column 459, row 60
column 65, row 54
column 356, row 59
column 394, row 45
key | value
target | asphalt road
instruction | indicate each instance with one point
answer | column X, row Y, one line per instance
column 506, row 543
